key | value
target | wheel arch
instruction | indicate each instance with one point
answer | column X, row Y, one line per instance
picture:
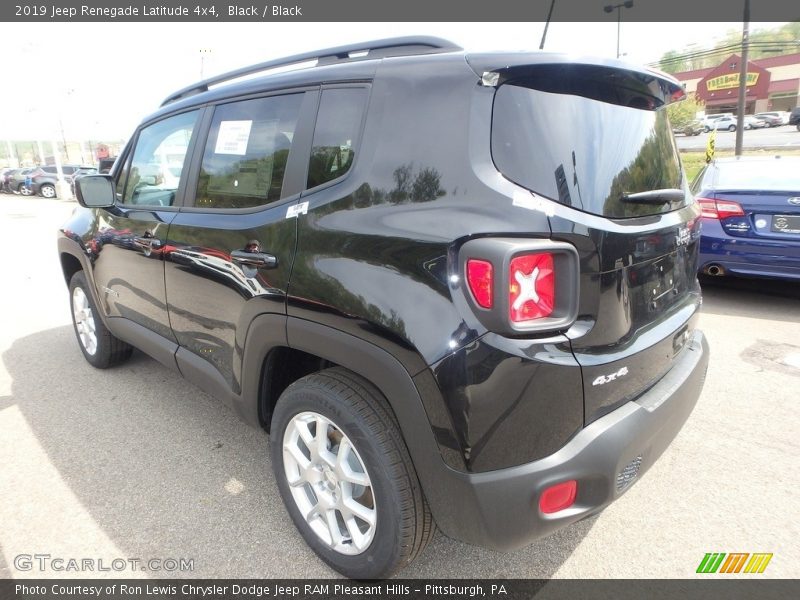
column 271, row 335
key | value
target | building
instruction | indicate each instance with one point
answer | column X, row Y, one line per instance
column 773, row 83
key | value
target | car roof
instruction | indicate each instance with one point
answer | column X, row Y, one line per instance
column 345, row 64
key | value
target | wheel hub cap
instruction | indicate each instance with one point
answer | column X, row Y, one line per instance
column 329, row 483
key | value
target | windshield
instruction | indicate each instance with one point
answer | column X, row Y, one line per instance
column 582, row 152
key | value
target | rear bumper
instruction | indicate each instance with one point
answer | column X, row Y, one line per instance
column 499, row 509
column 749, row 257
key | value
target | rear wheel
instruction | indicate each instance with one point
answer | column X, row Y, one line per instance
column 100, row 348
column 346, row 477
column 48, row 191
column 732, row 128
column 25, row 190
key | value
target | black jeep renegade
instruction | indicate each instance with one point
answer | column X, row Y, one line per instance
column 457, row 289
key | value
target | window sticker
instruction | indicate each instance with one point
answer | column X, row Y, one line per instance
column 233, row 137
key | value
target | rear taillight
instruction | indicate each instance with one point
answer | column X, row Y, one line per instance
column 720, row 209
column 480, row 276
column 518, row 286
column 531, row 287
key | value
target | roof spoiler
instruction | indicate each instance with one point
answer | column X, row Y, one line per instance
column 400, row 46
column 607, row 80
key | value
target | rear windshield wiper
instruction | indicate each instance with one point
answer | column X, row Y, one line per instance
column 655, row 196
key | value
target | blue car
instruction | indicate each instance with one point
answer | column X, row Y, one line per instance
column 751, row 217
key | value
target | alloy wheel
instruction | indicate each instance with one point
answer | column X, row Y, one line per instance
column 329, row 483
column 84, row 321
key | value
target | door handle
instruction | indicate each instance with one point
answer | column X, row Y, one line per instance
column 147, row 243
column 259, row 260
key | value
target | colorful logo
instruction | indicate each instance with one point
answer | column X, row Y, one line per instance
column 736, row 562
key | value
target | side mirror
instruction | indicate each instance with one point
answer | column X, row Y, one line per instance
column 95, row 191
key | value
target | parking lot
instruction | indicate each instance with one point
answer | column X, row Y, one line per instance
column 785, row 137
column 134, row 462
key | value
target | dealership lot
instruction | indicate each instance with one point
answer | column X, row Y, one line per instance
column 135, row 463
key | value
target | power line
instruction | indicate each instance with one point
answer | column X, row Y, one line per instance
column 778, row 46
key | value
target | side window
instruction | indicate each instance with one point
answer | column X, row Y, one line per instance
column 154, row 172
column 246, row 153
column 336, row 134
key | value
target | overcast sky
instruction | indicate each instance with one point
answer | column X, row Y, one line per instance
column 99, row 80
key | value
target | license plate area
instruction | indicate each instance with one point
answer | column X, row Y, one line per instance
column 785, row 224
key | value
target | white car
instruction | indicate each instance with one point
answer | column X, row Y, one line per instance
column 709, row 120
column 724, row 123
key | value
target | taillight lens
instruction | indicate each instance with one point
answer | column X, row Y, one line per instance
column 480, row 276
column 720, row 209
column 532, row 287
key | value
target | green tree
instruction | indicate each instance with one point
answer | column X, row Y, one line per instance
column 681, row 113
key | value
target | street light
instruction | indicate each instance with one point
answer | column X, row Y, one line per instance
column 619, row 7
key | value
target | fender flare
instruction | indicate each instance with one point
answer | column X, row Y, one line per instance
column 440, row 483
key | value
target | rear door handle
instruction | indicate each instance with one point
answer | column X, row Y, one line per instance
column 259, row 260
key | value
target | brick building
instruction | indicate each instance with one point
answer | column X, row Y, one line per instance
column 773, row 83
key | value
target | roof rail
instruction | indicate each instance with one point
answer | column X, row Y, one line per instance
column 399, row 46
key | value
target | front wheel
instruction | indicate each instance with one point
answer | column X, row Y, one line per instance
column 346, row 477
column 732, row 128
column 25, row 190
column 48, row 191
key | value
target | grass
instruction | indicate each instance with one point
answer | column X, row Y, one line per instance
column 694, row 161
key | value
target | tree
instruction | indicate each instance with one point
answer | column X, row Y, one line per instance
column 681, row 113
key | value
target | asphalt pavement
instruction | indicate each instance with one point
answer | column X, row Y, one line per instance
column 133, row 462
column 773, row 138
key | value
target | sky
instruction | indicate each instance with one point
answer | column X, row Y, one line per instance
column 98, row 80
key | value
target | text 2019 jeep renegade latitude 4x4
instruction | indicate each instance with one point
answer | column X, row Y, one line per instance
column 455, row 288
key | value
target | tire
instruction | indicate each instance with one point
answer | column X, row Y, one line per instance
column 25, row 190
column 732, row 128
column 99, row 347
column 48, row 191
column 395, row 523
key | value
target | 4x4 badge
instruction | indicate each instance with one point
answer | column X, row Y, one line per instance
column 606, row 378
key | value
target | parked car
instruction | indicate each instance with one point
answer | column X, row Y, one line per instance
column 751, row 216
column 5, row 174
column 691, row 128
column 724, row 123
column 750, row 122
column 782, row 117
column 770, row 120
column 44, row 179
column 434, row 329
column 17, row 181
column 794, row 118
column 708, row 120
column 80, row 173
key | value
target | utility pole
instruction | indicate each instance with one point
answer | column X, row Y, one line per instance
column 743, row 79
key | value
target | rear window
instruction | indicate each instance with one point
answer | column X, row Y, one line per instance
column 585, row 152
column 776, row 175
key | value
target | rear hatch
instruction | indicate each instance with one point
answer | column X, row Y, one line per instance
column 759, row 200
column 595, row 139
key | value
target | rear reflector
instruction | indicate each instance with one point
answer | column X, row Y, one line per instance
column 720, row 209
column 558, row 497
column 479, row 276
column 532, row 287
